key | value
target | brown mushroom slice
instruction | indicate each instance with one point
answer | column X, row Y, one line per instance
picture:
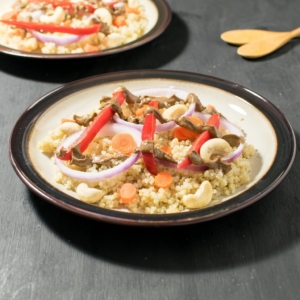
column 233, row 140
column 163, row 102
column 216, row 163
column 130, row 98
column 146, row 146
column 85, row 120
column 198, row 128
column 192, row 98
column 79, row 159
column 108, row 159
column 162, row 155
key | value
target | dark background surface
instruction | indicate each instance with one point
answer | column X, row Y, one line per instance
column 48, row 253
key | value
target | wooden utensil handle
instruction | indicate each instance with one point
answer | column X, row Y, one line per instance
column 296, row 32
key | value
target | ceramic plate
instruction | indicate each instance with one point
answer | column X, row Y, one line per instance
column 261, row 121
column 158, row 14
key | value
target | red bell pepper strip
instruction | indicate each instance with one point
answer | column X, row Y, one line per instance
column 54, row 28
column 66, row 4
column 148, row 135
column 154, row 103
column 202, row 138
column 91, row 131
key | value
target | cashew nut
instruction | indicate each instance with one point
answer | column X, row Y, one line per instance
column 87, row 194
column 57, row 17
column 69, row 128
column 214, row 148
column 104, row 15
column 174, row 111
column 114, row 39
column 201, row 198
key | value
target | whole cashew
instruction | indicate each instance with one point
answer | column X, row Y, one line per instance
column 214, row 148
column 57, row 17
column 174, row 111
column 201, row 198
column 87, row 194
column 69, row 128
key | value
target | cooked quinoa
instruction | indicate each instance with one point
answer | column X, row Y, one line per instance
column 150, row 199
column 111, row 34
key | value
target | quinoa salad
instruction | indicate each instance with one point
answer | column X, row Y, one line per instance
column 71, row 26
column 149, row 154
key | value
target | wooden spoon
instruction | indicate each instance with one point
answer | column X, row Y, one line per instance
column 267, row 45
column 244, row 36
column 258, row 43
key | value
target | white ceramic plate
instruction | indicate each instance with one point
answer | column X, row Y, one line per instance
column 264, row 125
column 158, row 14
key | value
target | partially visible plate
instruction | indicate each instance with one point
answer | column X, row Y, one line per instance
column 158, row 14
column 265, row 127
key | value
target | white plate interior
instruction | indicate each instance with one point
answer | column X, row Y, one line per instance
column 257, row 128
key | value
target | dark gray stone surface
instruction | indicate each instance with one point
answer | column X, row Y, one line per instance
column 47, row 253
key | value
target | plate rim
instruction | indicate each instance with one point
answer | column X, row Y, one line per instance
column 163, row 21
column 19, row 135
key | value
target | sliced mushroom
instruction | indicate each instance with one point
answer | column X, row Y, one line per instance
column 162, row 155
column 84, row 120
column 192, row 98
column 79, row 159
column 108, row 160
column 233, row 140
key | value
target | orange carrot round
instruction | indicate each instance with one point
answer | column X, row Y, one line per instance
column 166, row 149
column 163, row 180
column 124, row 143
column 119, row 21
column 127, row 193
column 188, row 133
column 177, row 133
column 140, row 111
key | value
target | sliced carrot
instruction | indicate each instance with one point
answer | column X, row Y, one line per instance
column 140, row 111
column 166, row 149
column 163, row 180
column 90, row 48
column 188, row 133
column 63, row 120
column 127, row 193
column 11, row 15
column 132, row 10
column 124, row 143
column 183, row 134
column 177, row 133
column 119, row 21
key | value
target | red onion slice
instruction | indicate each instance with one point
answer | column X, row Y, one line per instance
column 233, row 155
column 59, row 40
column 159, row 92
column 108, row 130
